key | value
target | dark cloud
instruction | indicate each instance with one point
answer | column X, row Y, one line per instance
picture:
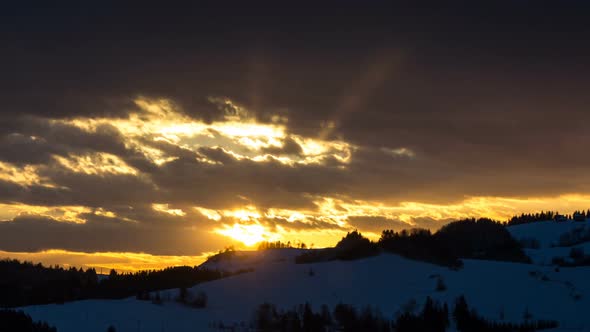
column 91, row 190
column 19, row 149
column 101, row 190
column 376, row 224
column 10, row 191
column 34, row 140
column 217, row 154
column 104, row 234
column 430, row 223
column 97, row 63
column 266, row 184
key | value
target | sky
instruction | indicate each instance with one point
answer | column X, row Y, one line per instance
column 135, row 136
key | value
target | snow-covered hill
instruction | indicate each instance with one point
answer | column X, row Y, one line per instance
column 548, row 234
column 499, row 290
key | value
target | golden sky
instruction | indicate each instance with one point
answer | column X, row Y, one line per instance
column 142, row 137
column 158, row 188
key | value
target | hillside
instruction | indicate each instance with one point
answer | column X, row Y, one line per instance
column 502, row 291
column 553, row 239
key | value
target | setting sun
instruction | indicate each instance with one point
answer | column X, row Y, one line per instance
column 248, row 234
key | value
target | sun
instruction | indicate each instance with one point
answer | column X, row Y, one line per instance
column 247, row 234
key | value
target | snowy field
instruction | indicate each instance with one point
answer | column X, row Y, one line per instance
column 499, row 290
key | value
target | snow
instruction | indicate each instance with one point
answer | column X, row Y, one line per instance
column 544, row 256
column 124, row 315
column 548, row 234
column 386, row 281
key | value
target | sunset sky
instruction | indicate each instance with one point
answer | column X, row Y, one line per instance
column 143, row 137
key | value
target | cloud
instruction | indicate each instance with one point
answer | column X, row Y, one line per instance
column 19, row 149
column 376, row 224
column 102, row 234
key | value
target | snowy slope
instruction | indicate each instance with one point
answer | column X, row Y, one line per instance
column 386, row 281
column 548, row 234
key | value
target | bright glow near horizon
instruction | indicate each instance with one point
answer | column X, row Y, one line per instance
column 248, row 234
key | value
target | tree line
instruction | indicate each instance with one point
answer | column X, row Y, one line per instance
column 469, row 238
column 25, row 283
column 434, row 317
column 18, row 321
column 264, row 245
column 526, row 218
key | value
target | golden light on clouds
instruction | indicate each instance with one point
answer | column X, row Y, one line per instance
column 156, row 156
column 248, row 213
column 59, row 213
column 314, row 238
column 27, row 175
column 499, row 208
column 209, row 213
column 337, row 212
column 95, row 164
column 165, row 209
column 316, row 150
column 251, row 134
column 249, row 230
column 239, row 134
column 246, row 224
column 162, row 132
column 286, row 214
